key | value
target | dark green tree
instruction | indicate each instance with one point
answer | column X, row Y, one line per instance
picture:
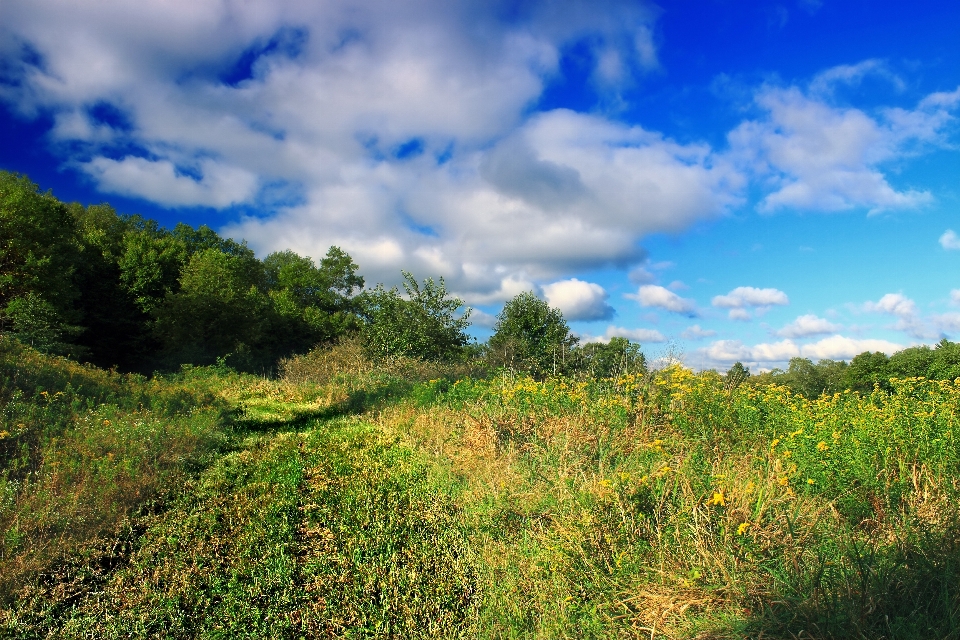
column 531, row 336
column 946, row 361
column 312, row 305
column 219, row 310
column 912, row 362
column 39, row 251
column 427, row 324
column 736, row 375
column 868, row 369
column 615, row 358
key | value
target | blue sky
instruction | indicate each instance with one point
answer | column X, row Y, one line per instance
column 725, row 180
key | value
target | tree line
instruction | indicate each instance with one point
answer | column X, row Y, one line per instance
column 863, row 373
column 122, row 291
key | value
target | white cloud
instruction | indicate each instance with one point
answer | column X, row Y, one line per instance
column 895, row 304
column 219, row 185
column 949, row 240
column 750, row 297
column 741, row 315
column 643, row 336
column 816, row 156
column 651, row 295
column 808, row 325
column 483, row 319
column 405, row 133
column 579, row 300
column 908, row 318
column 852, row 74
column 696, row 333
column 640, row 335
column 836, row 347
column 955, row 296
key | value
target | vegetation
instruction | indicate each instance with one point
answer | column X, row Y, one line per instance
column 397, row 481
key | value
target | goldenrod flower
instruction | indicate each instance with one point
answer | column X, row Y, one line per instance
column 822, row 446
column 717, row 499
column 742, row 529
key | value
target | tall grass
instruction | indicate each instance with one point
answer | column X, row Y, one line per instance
column 357, row 499
column 675, row 505
column 82, row 451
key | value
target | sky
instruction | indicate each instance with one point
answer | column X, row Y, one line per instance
column 719, row 180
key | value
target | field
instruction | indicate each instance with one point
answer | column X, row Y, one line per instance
column 353, row 500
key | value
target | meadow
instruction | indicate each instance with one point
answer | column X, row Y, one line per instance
column 348, row 498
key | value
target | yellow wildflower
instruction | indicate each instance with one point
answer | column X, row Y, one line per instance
column 717, row 499
column 742, row 529
column 822, row 446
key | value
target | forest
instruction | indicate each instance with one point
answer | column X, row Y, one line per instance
column 120, row 291
column 197, row 442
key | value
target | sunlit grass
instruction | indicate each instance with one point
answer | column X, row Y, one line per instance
column 406, row 500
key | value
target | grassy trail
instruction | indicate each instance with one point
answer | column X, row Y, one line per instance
column 326, row 531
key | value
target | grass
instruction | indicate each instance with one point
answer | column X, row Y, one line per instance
column 350, row 500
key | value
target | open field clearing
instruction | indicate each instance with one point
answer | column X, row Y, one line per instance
column 356, row 501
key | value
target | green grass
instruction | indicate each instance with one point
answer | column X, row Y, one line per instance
column 410, row 503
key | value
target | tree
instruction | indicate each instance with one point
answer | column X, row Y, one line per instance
column 311, row 305
column 946, row 361
column 219, row 310
column 866, row 370
column 425, row 325
column 38, row 254
column 736, row 375
column 531, row 336
column 912, row 362
column 615, row 358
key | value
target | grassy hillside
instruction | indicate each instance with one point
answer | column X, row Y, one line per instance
column 348, row 500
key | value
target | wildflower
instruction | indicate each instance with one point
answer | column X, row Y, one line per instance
column 750, row 487
column 784, row 481
column 717, row 499
column 742, row 529
column 787, row 453
column 106, row 423
column 811, row 481
column 822, row 446
column 836, row 435
column 776, row 441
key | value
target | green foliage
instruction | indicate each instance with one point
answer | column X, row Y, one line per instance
column 612, row 359
column 424, row 325
column 531, row 336
column 219, row 309
column 736, row 375
column 311, row 305
column 38, row 249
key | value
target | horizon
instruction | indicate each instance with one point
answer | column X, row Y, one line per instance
column 737, row 183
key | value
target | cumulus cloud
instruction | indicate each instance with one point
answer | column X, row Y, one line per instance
column 751, row 297
column 949, row 240
column 815, row 155
column 404, row 131
column 808, row 325
column 160, row 181
column 895, row 304
column 652, row 295
column 641, row 335
column 579, row 300
column 836, row 347
column 697, row 333
column 908, row 317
